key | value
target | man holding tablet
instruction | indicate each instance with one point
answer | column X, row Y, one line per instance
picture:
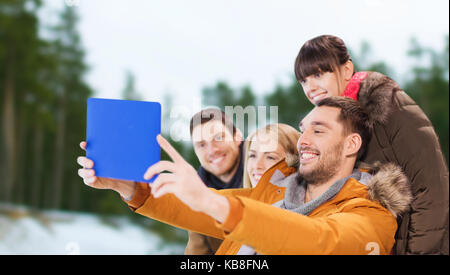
column 342, row 211
column 218, row 146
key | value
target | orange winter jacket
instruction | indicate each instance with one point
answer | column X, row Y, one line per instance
column 353, row 222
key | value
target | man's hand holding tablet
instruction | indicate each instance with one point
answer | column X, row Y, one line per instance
column 124, row 139
column 184, row 182
column 122, row 143
column 125, row 188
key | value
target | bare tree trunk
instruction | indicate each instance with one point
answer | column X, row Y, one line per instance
column 58, row 175
column 20, row 166
column 9, row 128
column 36, row 176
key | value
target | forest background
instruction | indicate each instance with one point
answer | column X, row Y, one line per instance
column 43, row 94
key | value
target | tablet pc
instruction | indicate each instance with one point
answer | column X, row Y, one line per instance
column 121, row 137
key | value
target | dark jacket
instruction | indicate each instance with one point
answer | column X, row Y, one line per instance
column 404, row 135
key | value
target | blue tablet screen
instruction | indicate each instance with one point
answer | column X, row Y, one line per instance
column 121, row 137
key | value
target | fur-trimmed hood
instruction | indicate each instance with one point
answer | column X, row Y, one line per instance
column 389, row 186
column 377, row 96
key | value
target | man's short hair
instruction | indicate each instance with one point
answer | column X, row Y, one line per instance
column 354, row 118
column 211, row 114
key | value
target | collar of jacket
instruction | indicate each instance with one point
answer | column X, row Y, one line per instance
column 377, row 96
column 387, row 185
column 295, row 193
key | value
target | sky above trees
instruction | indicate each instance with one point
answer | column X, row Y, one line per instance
column 179, row 47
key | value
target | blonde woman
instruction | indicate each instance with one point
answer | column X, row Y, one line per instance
column 266, row 147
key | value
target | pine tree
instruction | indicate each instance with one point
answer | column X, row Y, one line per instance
column 18, row 56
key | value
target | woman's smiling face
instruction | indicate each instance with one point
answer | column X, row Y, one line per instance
column 263, row 153
column 320, row 86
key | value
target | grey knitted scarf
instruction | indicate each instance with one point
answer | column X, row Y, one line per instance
column 295, row 196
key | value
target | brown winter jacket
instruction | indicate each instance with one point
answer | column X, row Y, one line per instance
column 404, row 135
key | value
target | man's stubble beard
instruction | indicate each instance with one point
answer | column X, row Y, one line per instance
column 327, row 167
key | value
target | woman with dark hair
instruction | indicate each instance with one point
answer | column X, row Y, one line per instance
column 402, row 134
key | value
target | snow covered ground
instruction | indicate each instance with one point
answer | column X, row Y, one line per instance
column 57, row 232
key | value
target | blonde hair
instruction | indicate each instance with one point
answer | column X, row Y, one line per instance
column 287, row 137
